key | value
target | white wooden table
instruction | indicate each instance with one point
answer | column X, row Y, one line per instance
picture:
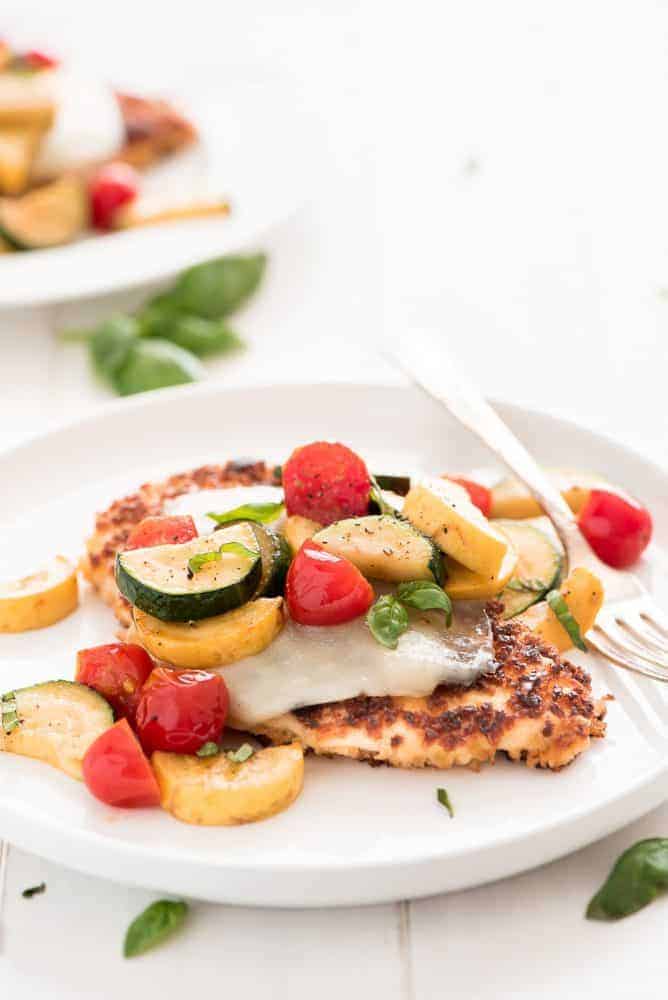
column 499, row 171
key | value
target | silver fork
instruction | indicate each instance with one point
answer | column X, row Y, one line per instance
column 630, row 629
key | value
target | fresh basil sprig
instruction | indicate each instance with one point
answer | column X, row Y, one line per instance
column 638, row 876
column 157, row 922
column 263, row 513
column 160, row 345
column 555, row 600
column 444, row 799
column 195, row 563
column 387, row 620
column 425, row 595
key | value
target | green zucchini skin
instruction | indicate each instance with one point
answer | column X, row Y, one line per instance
column 538, row 561
column 395, row 484
column 275, row 554
column 190, row 606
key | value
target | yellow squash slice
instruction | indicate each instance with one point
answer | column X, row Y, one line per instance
column 583, row 593
column 212, row 642
column 215, row 791
column 297, row 530
column 512, row 500
column 462, row 584
column 40, row 599
column 443, row 510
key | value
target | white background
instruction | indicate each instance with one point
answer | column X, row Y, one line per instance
column 495, row 170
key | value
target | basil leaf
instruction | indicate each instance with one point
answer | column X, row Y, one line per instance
column 111, row 343
column 195, row 563
column 637, row 877
column 209, row 749
column 204, row 337
column 152, row 363
column 157, row 922
column 556, row 601
column 34, row 890
column 260, row 512
column 425, row 595
column 444, row 799
column 157, row 315
column 243, row 753
column 387, row 620
column 218, row 287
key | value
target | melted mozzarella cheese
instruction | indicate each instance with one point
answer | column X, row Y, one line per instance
column 88, row 126
column 307, row 666
column 199, row 504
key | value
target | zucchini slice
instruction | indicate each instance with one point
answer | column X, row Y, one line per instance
column 159, row 579
column 395, row 484
column 275, row 555
column 213, row 642
column 384, row 548
column 538, row 567
column 55, row 722
column 47, row 217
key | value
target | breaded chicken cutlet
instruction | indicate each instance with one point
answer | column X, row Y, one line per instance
column 536, row 707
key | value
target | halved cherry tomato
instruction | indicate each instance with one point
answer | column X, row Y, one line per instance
column 617, row 527
column 112, row 187
column 180, row 711
column 161, row 531
column 326, row 482
column 37, row 59
column 117, row 772
column 118, row 672
column 480, row 495
column 324, row 589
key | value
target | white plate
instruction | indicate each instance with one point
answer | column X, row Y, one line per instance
column 255, row 149
column 357, row 834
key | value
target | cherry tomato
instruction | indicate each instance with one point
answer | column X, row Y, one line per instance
column 326, row 482
column 35, row 59
column 118, row 671
column 618, row 528
column 161, row 531
column 112, row 187
column 180, row 711
column 479, row 495
column 117, row 772
column 324, row 589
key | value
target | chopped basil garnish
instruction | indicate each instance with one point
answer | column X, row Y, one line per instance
column 34, row 890
column 388, row 620
column 425, row 595
column 558, row 605
column 243, row 753
column 260, row 512
column 637, row 877
column 209, row 749
column 444, row 799
column 157, row 922
column 195, row 563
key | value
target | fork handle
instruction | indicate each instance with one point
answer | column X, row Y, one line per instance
column 425, row 359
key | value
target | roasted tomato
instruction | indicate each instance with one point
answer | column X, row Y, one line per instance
column 324, row 589
column 617, row 527
column 180, row 711
column 36, row 59
column 117, row 772
column 480, row 495
column 161, row 531
column 118, row 672
column 326, row 482
column 112, row 187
